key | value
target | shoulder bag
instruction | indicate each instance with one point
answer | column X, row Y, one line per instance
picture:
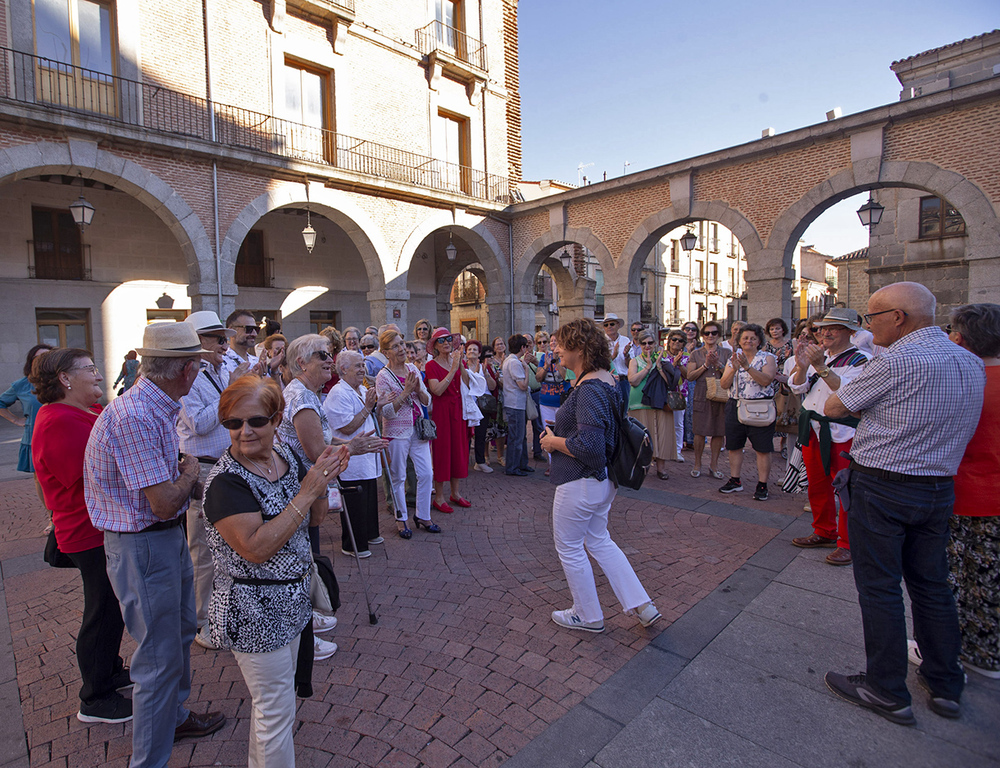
column 715, row 391
column 757, row 413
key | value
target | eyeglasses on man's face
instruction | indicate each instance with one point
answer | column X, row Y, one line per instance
column 323, row 355
column 868, row 318
column 212, row 337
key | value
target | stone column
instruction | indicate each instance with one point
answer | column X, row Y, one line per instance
column 626, row 304
column 769, row 288
column 385, row 303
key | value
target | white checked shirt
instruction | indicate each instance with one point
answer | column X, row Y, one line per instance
column 198, row 427
column 920, row 403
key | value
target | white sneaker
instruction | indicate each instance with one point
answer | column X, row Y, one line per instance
column 323, row 623
column 362, row 555
column 323, row 649
column 204, row 639
column 913, row 653
column 570, row 620
column 376, row 540
column 484, row 468
column 647, row 614
column 993, row 674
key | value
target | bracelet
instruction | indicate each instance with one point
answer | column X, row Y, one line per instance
column 297, row 510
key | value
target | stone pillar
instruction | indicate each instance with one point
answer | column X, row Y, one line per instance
column 581, row 303
column 385, row 304
column 626, row 304
column 769, row 288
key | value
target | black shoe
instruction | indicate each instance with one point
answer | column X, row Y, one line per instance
column 527, row 469
column 761, row 493
column 539, row 457
column 121, row 680
column 733, row 486
column 112, row 709
column 199, row 725
column 939, row 705
column 517, row 473
column 427, row 525
column 854, row 689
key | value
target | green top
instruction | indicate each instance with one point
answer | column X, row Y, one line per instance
column 635, row 393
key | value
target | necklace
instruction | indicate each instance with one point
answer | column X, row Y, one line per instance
column 266, row 470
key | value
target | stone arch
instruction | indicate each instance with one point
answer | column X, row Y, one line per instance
column 92, row 162
column 773, row 266
column 544, row 246
column 335, row 205
column 653, row 227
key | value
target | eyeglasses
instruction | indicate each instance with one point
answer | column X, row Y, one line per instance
column 254, row 421
column 691, row 329
column 813, row 329
column 677, row 339
column 947, row 329
column 422, row 328
column 213, row 337
column 247, row 328
column 444, row 338
column 368, row 346
column 709, row 333
column 648, row 343
column 323, row 355
column 638, row 328
column 608, row 325
column 868, row 318
column 92, row 368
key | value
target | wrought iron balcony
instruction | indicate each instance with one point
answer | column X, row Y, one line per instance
column 35, row 80
column 438, row 37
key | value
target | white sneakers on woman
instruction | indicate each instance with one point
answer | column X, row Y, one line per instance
column 485, row 468
column 646, row 614
column 323, row 649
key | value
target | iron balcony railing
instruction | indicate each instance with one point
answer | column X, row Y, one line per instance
column 31, row 79
column 438, row 36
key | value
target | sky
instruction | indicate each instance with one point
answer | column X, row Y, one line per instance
column 650, row 82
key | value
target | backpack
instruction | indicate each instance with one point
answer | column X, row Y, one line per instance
column 633, row 451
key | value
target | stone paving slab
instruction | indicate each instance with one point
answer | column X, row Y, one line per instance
column 464, row 667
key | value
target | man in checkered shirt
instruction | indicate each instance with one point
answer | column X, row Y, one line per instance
column 137, row 491
column 919, row 404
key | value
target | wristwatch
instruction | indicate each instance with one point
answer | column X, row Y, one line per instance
column 824, row 373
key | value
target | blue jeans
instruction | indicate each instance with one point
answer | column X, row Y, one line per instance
column 900, row 531
column 517, row 439
column 153, row 579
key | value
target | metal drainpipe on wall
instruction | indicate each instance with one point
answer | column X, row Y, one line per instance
column 215, row 166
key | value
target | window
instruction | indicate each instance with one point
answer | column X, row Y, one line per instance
column 714, row 286
column 469, row 328
column 732, row 280
column 253, row 268
column 166, row 315
column 307, row 108
column 699, row 278
column 714, row 237
column 448, row 14
column 675, row 256
column 57, row 246
column 320, row 319
column 938, row 218
column 451, row 145
column 77, row 39
column 63, row 327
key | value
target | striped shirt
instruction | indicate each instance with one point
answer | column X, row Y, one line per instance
column 200, row 432
column 920, row 403
column 133, row 446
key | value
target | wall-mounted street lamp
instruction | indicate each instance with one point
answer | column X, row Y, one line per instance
column 870, row 213
column 450, row 250
column 689, row 241
column 83, row 212
column 309, row 234
column 565, row 259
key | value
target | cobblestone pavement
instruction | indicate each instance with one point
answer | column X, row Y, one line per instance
column 464, row 666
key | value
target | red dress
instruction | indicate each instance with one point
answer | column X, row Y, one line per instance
column 450, row 450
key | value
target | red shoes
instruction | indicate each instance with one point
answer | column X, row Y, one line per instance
column 461, row 502
column 446, row 508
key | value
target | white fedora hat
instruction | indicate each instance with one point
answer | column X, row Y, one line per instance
column 170, row 340
column 207, row 321
column 612, row 317
column 841, row 316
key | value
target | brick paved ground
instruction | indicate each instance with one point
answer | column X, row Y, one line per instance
column 464, row 667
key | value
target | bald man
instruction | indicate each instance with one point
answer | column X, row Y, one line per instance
column 919, row 405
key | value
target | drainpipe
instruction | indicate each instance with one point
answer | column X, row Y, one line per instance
column 215, row 167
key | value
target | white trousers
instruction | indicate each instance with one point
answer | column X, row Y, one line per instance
column 679, row 431
column 420, row 451
column 201, row 555
column 270, row 677
column 579, row 520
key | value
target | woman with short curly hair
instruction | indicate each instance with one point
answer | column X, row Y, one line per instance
column 581, row 444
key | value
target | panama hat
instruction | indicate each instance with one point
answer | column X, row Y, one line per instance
column 841, row 316
column 612, row 317
column 207, row 321
column 170, row 340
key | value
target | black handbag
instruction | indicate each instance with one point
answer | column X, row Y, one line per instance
column 55, row 556
column 487, row 404
column 426, row 429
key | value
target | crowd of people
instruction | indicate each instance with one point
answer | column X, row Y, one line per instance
column 192, row 503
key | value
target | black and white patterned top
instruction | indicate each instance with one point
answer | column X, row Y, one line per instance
column 587, row 421
column 256, row 608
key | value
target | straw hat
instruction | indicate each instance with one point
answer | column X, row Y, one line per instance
column 170, row 340
column 207, row 321
column 841, row 316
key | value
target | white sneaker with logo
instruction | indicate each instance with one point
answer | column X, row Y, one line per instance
column 570, row 620
column 647, row 614
column 323, row 649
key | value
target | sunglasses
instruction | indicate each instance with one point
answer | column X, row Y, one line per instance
column 323, row 355
column 609, row 325
column 690, row 329
column 648, row 343
column 813, row 329
column 444, row 338
column 709, row 333
column 947, row 329
column 213, row 337
column 368, row 346
column 248, row 328
column 254, row 421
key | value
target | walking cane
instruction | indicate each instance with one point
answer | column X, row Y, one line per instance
column 372, row 618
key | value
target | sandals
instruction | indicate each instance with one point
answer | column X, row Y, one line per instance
column 426, row 525
column 663, row 475
column 405, row 532
column 717, row 475
column 695, row 473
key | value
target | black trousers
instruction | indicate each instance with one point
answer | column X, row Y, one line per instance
column 479, row 442
column 361, row 503
column 100, row 636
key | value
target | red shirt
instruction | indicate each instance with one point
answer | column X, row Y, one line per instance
column 58, row 443
column 975, row 491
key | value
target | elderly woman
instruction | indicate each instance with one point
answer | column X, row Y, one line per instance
column 422, row 330
column 259, row 501
column 352, row 338
column 350, row 409
column 709, row 418
column 496, row 429
column 677, row 356
column 401, row 392
column 305, row 428
column 581, row 444
column 656, row 420
column 68, row 385
column 692, row 341
column 369, row 343
column 749, row 375
column 411, row 353
column 450, row 449
column 21, row 391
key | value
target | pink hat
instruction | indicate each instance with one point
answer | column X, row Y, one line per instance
column 439, row 333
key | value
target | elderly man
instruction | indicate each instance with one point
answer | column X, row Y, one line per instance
column 919, row 404
column 202, row 436
column 137, row 491
column 820, row 370
column 619, row 359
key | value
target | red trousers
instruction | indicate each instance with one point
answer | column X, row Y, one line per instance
column 821, row 496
